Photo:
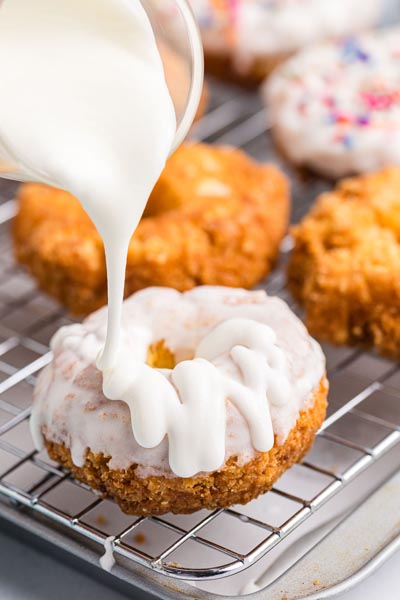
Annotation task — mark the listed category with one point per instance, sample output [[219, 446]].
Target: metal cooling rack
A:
[[363, 422]]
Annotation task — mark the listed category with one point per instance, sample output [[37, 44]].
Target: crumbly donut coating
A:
[[346, 260], [215, 217], [233, 484]]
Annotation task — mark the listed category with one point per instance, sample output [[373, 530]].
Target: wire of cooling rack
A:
[[362, 425]]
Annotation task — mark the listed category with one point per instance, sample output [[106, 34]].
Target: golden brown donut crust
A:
[[345, 267], [233, 484], [215, 217]]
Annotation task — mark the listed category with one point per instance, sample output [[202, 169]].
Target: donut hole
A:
[[159, 356]]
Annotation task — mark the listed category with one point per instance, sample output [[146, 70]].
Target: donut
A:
[[215, 217], [345, 262], [335, 108], [256, 397], [244, 40]]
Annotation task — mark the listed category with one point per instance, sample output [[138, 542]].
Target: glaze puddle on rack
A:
[[357, 449]]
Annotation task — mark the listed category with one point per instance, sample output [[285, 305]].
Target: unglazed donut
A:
[[223, 332], [345, 263], [245, 39], [336, 107], [215, 217]]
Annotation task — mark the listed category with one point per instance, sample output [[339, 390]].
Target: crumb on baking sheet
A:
[[101, 520], [139, 538]]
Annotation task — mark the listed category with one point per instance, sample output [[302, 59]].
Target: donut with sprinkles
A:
[[335, 108], [245, 39]]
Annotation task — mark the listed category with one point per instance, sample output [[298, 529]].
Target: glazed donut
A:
[[345, 262], [336, 108], [245, 39], [256, 397], [215, 217]]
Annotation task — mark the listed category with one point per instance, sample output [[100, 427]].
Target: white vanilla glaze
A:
[[271, 27], [107, 561], [245, 368], [336, 107]]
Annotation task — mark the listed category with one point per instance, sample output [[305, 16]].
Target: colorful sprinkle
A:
[[380, 100], [352, 51], [344, 108], [363, 120], [346, 141]]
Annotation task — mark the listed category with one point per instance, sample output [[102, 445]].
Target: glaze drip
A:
[[188, 404]]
